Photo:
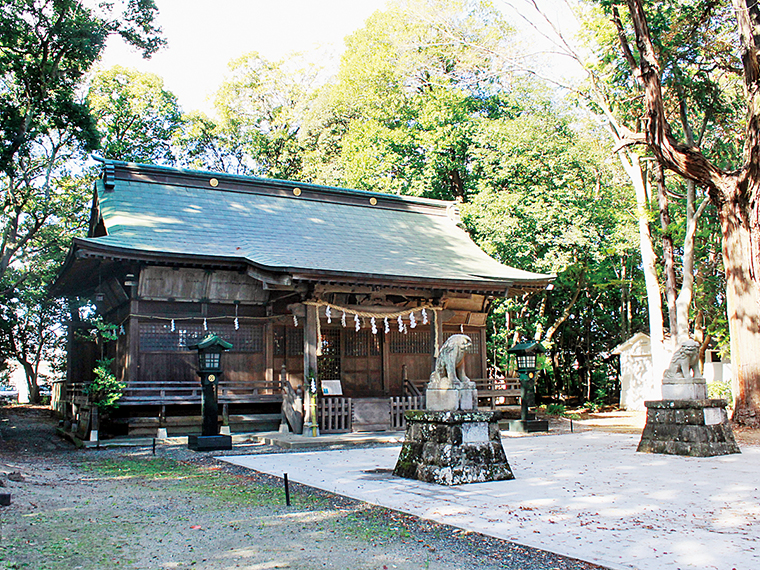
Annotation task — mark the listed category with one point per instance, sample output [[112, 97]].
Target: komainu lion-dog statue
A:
[[449, 366], [685, 361]]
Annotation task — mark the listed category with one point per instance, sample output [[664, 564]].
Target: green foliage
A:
[[554, 409], [105, 390], [46, 49], [137, 117], [720, 390], [592, 406], [261, 108]]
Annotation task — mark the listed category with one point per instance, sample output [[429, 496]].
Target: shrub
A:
[[555, 410], [720, 390], [105, 390]]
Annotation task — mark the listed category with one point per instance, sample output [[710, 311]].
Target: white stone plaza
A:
[[587, 495]]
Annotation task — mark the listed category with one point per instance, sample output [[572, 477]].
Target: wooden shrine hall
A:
[[342, 294]]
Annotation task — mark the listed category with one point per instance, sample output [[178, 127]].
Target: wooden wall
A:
[[163, 353]]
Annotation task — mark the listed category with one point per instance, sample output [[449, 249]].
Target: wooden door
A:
[[362, 363]]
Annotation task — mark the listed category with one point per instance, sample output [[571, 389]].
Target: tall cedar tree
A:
[[735, 193]]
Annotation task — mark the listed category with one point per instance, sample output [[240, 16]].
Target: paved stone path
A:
[[586, 495]]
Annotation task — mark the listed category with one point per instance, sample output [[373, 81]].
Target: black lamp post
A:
[[525, 354], [210, 350]]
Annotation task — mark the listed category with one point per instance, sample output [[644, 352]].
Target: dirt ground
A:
[[126, 508]]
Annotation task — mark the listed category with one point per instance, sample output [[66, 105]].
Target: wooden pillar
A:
[[134, 343], [269, 353], [483, 355], [386, 361], [310, 341]]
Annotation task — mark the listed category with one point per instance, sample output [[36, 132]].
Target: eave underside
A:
[[85, 266]]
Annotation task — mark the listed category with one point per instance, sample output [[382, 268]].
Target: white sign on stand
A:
[[332, 388]]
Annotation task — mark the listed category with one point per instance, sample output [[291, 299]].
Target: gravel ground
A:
[[126, 508]]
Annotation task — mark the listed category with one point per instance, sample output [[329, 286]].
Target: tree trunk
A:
[[683, 302], [668, 254], [31, 381], [736, 195], [743, 301], [632, 167]]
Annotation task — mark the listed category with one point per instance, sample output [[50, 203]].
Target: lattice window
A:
[[474, 349], [294, 342], [158, 337], [329, 361], [361, 343], [414, 342]]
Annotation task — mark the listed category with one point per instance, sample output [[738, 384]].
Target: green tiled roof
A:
[[323, 230]]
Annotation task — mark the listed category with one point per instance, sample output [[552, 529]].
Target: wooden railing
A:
[[498, 391], [399, 405], [249, 392], [334, 414], [491, 391], [178, 392], [410, 388]]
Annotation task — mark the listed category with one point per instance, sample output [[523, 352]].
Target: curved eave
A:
[[72, 282]]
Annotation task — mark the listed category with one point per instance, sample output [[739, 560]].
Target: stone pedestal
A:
[[451, 399], [528, 426], [697, 428], [679, 388], [452, 448], [209, 442]]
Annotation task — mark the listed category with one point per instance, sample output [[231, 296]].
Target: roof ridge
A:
[[109, 166]]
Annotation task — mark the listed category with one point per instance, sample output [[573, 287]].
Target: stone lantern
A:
[[210, 350], [526, 353]]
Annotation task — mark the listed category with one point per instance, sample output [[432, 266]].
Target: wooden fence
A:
[[334, 414], [399, 405]]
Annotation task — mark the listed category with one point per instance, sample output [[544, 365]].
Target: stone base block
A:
[[685, 389], [528, 426], [697, 428], [209, 442], [453, 399], [453, 448]]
